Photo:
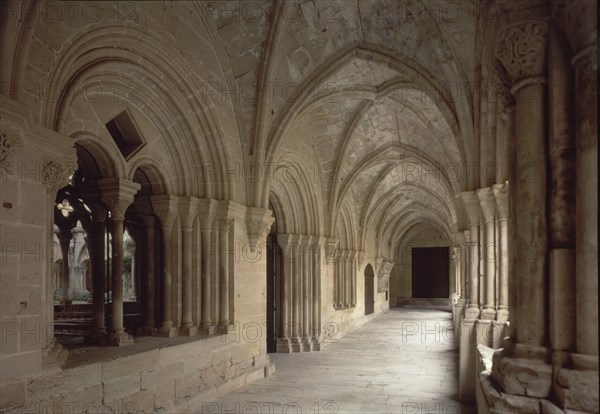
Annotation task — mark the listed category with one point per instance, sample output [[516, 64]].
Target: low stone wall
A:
[[175, 378]]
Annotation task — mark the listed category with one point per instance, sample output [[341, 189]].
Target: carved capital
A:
[[117, 195], [10, 140], [502, 86], [207, 211], [501, 195], [578, 19], [487, 203], [258, 224], [472, 208], [166, 208], [522, 49], [224, 224], [54, 175], [188, 210]]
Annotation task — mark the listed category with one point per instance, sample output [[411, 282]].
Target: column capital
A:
[[258, 223], [188, 210], [55, 175], [471, 203], [460, 237], [207, 211], [578, 19], [117, 195], [165, 207], [224, 224], [501, 196], [522, 50], [487, 203]]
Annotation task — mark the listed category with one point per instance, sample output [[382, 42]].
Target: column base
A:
[[306, 345], [502, 314], [166, 331], [523, 370], [472, 313], [119, 339], [207, 328], [488, 314], [316, 344], [188, 330], [225, 327], [296, 344], [283, 345]]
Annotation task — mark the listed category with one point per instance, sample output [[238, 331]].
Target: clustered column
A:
[[344, 290], [300, 293]]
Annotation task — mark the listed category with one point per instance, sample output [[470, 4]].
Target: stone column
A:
[[98, 272], [353, 279], [224, 273], [206, 215], [585, 63], [307, 294], [523, 54], [501, 197], [488, 207], [150, 261], [460, 263], [472, 208], [165, 207], [578, 386], [523, 369], [283, 343], [188, 208], [297, 270], [316, 293], [117, 195]]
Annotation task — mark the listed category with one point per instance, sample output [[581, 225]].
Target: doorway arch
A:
[[369, 290]]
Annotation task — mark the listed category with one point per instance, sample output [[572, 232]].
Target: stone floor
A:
[[404, 361]]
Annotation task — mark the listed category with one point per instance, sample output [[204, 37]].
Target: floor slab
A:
[[405, 361]]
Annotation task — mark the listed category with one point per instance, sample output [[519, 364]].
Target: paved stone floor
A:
[[401, 362]]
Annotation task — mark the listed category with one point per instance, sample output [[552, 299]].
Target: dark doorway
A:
[[274, 277], [369, 290], [430, 272]]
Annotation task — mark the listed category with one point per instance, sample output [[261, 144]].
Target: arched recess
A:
[[145, 75]]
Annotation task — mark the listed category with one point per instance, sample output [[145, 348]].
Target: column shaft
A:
[[186, 313], [224, 276], [206, 323], [531, 214], [150, 275]]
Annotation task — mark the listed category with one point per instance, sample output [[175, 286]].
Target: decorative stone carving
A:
[[522, 49], [224, 224], [188, 209], [9, 142], [207, 210], [165, 207], [54, 176], [117, 195], [486, 200], [502, 84], [472, 207], [258, 223]]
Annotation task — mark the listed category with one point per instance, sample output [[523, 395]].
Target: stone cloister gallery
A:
[[197, 192]]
